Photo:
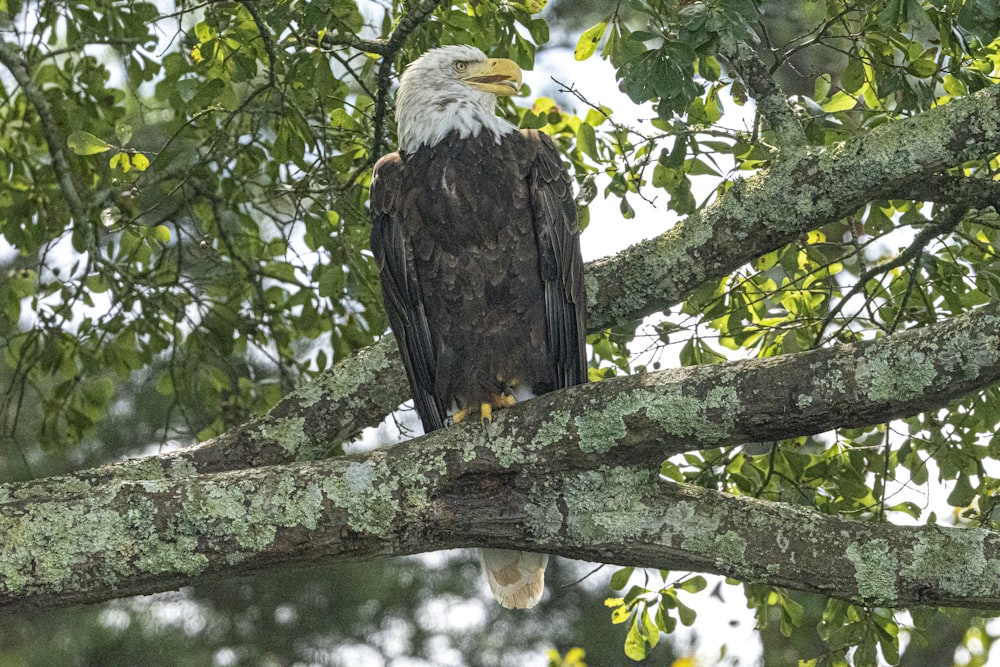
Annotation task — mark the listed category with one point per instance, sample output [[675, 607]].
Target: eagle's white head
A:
[[453, 88]]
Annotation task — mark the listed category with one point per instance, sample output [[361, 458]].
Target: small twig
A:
[[886, 457], [584, 577], [346, 64], [920, 241], [77, 47], [911, 283], [619, 132], [265, 37]]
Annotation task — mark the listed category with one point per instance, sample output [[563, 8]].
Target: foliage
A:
[[649, 613], [183, 230], [903, 58]]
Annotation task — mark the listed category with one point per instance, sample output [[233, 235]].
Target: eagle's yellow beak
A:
[[497, 75]]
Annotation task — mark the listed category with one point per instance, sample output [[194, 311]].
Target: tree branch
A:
[[18, 67], [266, 40], [772, 102], [407, 24], [134, 537], [641, 418], [801, 191]]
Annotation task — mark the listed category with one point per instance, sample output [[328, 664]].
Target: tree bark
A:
[[134, 537]]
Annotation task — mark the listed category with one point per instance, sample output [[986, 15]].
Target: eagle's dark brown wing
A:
[[400, 291], [558, 233]]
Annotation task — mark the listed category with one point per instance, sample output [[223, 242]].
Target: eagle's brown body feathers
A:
[[482, 275]]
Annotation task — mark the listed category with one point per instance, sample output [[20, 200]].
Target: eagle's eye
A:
[[460, 65]]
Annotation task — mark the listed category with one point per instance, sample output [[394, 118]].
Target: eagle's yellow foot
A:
[[497, 402]]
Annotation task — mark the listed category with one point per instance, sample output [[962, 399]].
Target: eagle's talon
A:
[[486, 415], [486, 408]]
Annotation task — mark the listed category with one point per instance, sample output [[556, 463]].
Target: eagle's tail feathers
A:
[[517, 578]]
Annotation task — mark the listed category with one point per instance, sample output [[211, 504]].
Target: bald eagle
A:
[[475, 233]]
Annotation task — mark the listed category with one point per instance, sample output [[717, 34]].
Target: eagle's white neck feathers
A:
[[433, 101]]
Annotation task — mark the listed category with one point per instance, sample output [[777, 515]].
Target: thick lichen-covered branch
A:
[[642, 419], [801, 191], [629, 518], [646, 417], [134, 537]]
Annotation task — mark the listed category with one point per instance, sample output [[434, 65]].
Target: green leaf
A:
[[634, 594], [124, 133], [666, 178], [620, 614], [923, 68], [822, 87], [664, 621], [626, 209], [121, 160], [594, 117], [963, 494], [709, 68], [161, 233], [694, 584], [649, 629], [853, 77], [586, 140], [791, 615], [909, 508], [203, 32], [635, 643], [867, 654], [842, 101], [589, 40], [533, 121], [620, 578], [697, 167], [84, 143], [686, 614], [140, 162]]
